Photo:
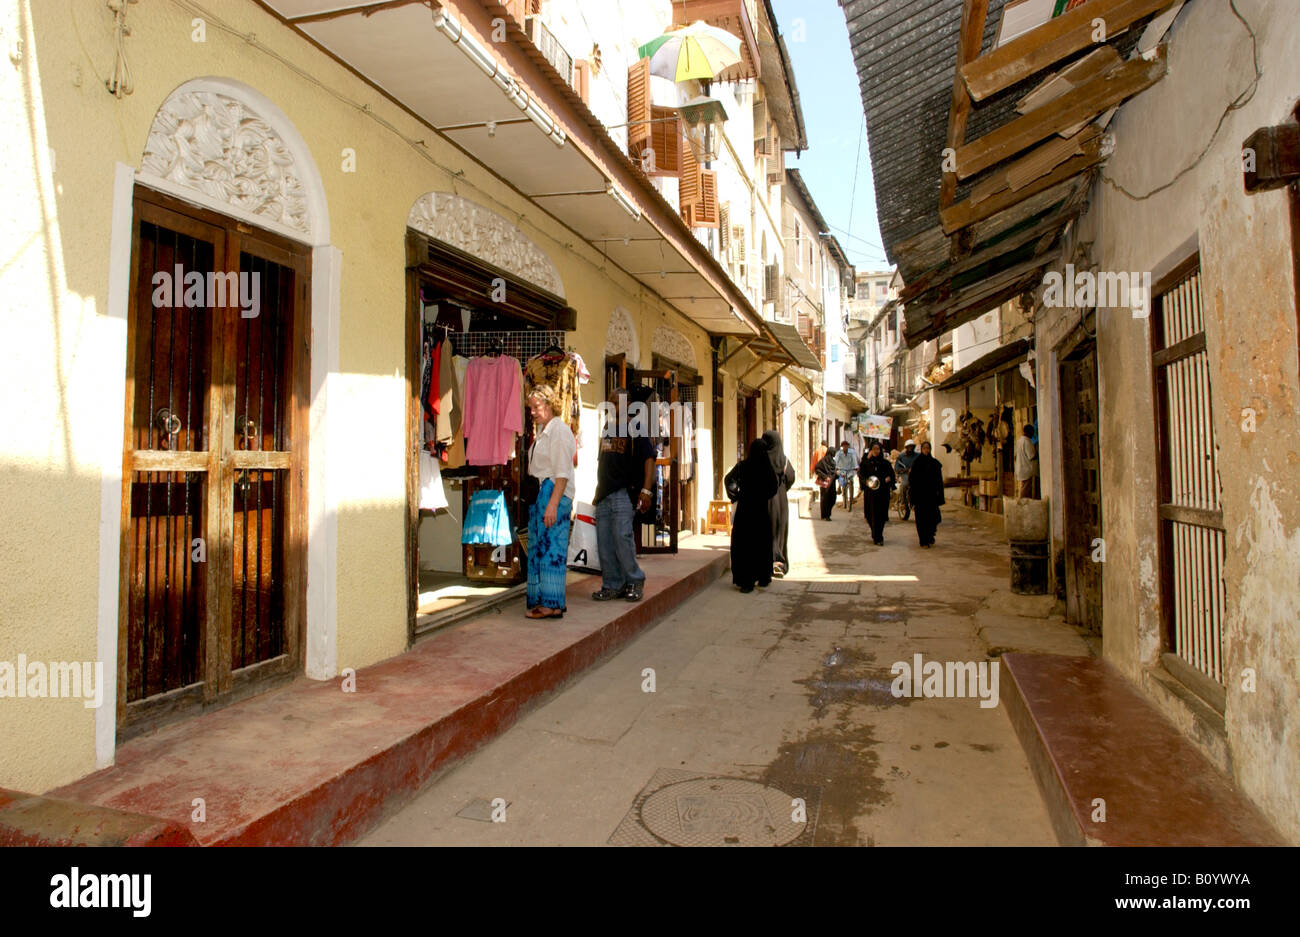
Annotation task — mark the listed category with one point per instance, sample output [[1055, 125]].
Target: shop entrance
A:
[[478, 339], [212, 593]]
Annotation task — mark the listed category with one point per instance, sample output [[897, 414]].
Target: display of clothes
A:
[[432, 495], [563, 371], [492, 409], [487, 521], [440, 397]]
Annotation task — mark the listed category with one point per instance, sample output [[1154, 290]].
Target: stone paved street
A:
[[788, 687]]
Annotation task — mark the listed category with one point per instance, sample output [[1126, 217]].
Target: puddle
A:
[[844, 767]]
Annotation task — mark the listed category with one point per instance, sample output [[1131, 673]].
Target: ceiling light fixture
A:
[[481, 57], [623, 201]]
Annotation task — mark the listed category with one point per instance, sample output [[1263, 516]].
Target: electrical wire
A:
[[1236, 104]]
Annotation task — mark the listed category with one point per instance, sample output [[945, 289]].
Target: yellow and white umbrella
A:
[[695, 51]]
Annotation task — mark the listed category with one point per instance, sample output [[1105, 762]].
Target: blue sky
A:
[[818, 42]]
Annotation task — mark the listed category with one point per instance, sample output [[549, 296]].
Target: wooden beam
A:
[[739, 348], [973, 14], [1053, 41], [935, 278], [1271, 157], [1036, 164], [757, 364], [968, 212], [1074, 107]]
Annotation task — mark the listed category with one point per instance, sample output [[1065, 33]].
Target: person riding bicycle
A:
[[902, 469], [846, 466]]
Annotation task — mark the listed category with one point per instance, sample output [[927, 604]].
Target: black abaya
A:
[[875, 503], [779, 508], [825, 472], [927, 494], [751, 525]]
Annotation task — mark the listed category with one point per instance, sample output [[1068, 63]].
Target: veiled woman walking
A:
[[751, 484], [875, 498], [927, 494], [824, 471], [780, 505]]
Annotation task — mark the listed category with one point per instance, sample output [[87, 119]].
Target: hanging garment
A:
[[584, 376], [487, 521], [562, 374], [493, 409], [448, 396], [432, 495], [455, 453]]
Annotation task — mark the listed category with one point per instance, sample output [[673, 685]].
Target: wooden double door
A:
[[1082, 483], [212, 597]]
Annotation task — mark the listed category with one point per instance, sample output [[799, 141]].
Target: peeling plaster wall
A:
[[1249, 301]]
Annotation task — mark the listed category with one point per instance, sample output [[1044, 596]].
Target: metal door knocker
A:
[[169, 423], [247, 428]]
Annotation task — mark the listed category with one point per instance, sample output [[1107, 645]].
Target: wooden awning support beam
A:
[[775, 374], [1075, 107], [739, 348], [969, 212], [1271, 157], [753, 367], [1040, 48]]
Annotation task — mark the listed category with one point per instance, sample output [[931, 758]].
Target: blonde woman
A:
[[550, 461]]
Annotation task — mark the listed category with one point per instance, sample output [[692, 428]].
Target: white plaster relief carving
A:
[[620, 337], [479, 231], [217, 146], [673, 344]]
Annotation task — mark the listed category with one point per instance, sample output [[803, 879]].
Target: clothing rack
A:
[[519, 344]]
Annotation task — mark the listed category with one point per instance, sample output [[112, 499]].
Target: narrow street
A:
[[788, 688]]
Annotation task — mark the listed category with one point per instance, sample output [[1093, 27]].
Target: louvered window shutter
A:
[[689, 189], [638, 107], [707, 213], [665, 132], [724, 231]]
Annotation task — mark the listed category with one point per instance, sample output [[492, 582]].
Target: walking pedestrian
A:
[[624, 475], [846, 463], [780, 506], [754, 484], [927, 494], [1026, 461], [818, 454], [824, 472], [550, 461], [903, 468], [877, 477]]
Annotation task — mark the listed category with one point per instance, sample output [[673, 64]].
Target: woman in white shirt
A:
[[550, 461]]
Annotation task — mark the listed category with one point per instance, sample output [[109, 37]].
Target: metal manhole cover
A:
[[681, 809], [835, 588]]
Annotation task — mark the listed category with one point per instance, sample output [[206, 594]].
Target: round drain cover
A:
[[721, 812]]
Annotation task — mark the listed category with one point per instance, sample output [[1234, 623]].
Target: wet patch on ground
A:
[[844, 766]]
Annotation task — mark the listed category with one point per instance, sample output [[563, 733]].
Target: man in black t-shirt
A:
[[624, 474]]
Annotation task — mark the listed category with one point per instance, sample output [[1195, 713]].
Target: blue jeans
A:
[[615, 543]]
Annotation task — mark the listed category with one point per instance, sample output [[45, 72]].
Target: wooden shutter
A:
[[689, 191], [665, 139], [776, 168], [706, 213], [738, 242], [582, 79], [770, 275], [760, 121], [724, 231], [638, 107]]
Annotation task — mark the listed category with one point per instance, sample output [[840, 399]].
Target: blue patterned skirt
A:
[[548, 550]]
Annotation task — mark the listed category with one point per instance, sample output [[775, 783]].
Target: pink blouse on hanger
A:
[[492, 410]]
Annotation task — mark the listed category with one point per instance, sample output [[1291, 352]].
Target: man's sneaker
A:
[[604, 595], [632, 591]]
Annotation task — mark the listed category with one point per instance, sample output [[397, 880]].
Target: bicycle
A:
[[846, 488], [900, 501]]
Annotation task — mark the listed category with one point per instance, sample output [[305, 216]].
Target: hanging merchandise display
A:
[[492, 409], [487, 520], [563, 371], [432, 495]]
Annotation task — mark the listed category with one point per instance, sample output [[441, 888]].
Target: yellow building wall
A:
[[61, 397]]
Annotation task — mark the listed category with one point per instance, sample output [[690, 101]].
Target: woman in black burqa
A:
[[875, 501], [926, 487], [825, 472], [751, 484], [780, 505]]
